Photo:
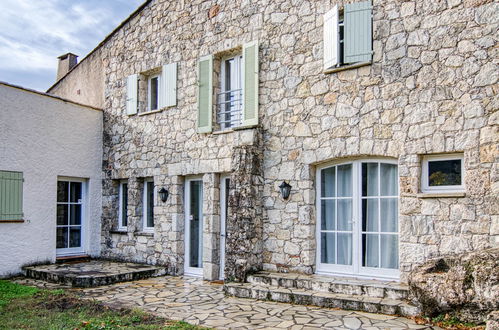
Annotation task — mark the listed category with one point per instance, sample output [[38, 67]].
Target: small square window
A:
[[443, 173]]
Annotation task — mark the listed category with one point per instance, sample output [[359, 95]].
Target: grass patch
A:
[[24, 307]]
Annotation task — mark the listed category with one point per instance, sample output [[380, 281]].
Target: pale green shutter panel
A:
[[205, 93], [168, 95], [11, 195], [358, 32], [331, 38], [131, 94], [250, 84]]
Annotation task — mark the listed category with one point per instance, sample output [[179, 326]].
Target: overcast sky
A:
[[33, 33]]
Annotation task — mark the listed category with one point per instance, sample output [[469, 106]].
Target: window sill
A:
[[225, 131], [119, 232], [441, 195], [12, 221], [346, 67], [145, 233], [145, 113]]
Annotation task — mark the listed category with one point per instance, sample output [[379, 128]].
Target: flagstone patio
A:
[[203, 303]]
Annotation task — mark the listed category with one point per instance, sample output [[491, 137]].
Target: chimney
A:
[[66, 63]]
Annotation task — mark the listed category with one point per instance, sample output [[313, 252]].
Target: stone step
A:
[[332, 284], [321, 299], [92, 273]]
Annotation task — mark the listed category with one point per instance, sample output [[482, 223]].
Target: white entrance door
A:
[[193, 227], [357, 228], [224, 198], [70, 217]]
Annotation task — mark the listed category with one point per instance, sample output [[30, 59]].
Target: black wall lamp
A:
[[163, 194], [285, 189]]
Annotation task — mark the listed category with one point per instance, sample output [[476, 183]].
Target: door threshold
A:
[[360, 277], [72, 258]]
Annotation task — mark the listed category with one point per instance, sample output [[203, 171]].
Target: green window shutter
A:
[[131, 94], [331, 38], [205, 94], [11, 195], [168, 95], [250, 84], [358, 32]]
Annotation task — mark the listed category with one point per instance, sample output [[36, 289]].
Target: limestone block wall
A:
[[431, 88]]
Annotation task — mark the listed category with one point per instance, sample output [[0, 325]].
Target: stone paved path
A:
[[199, 302]]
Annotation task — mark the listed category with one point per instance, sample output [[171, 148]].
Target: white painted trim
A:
[[84, 205], [223, 221], [356, 269], [192, 271], [120, 205], [145, 204], [425, 188]]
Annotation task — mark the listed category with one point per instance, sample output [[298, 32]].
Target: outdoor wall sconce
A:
[[163, 194], [285, 189]]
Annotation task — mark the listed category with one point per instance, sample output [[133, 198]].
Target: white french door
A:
[[357, 227], [193, 261], [70, 217], [224, 198]]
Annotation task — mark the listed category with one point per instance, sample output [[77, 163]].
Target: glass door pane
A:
[[69, 216], [196, 224], [336, 210]]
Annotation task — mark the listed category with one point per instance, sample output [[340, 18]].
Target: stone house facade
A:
[[362, 140]]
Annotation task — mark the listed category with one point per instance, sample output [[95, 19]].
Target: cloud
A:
[[34, 33]]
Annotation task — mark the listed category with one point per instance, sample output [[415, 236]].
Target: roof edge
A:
[[49, 95], [126, 20]]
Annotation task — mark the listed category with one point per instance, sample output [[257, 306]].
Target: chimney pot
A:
[[66, 63]]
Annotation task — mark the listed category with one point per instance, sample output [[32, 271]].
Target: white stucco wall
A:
[[46, 138]]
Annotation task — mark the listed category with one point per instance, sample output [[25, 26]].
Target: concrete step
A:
[[332, 284], [321, 299], [93, 273]]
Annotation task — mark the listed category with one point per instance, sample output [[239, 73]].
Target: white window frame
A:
[[426, 188], [145, 204], [356, 269], [223, 88], [149, 79], [120, 205]]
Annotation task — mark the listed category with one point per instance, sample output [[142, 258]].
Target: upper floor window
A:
[[443, 173], [230, 98], [348, 35], [152, 90], [236, 99]]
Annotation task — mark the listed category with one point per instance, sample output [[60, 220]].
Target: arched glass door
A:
[[357, 231]]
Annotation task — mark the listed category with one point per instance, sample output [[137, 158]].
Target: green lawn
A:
[[23, 307]]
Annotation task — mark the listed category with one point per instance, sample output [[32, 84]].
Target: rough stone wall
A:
[[431, 88]]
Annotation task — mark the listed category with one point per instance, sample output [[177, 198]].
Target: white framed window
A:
[[148, 204], [348, 35], [153, 90], [230, 98], [123, 205], [443, 173]]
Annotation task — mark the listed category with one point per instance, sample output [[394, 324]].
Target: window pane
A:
[[328, 251], [154, 93], [75, 192], [150, 204], [370, 250], [389, 213], [389, 184], [370, 214], [344, 249], [444, 173], [369, 179], [124, 204], [345, 180], [75, 214], [62, 238], [328, 182], [389, 251], [344, 214], [75, 237], [62, 215], [328, 214], [62, 191]]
